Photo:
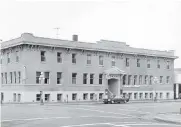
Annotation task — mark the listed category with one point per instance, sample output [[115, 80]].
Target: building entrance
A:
[[113, 86]]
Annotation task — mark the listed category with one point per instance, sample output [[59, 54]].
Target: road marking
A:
[[105, 112], [143, 124]]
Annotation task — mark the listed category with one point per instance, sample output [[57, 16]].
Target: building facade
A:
[[177, 84], [65, 70]]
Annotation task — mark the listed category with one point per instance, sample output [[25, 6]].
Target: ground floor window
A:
[[141, 95], [85, 96], [91, 96], [2, 96], [38, 97], [146, 95], [74, 96], [14, 97], [47, 97], [19, 97], [161, 95], [135, 95], [151, 95], [168, 95], [59, 97], [100, 96], [130, 95], [156, 95]]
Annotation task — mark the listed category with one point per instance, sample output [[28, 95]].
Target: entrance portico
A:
[[113, 80]]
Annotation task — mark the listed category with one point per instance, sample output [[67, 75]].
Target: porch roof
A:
[[114, 70]]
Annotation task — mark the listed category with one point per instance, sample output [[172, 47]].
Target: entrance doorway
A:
[[113, 86]]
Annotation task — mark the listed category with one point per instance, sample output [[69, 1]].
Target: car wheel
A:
[[112, 102]]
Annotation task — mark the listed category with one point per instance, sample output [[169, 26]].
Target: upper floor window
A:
[[168, 79], [129, 79], [158, 63], [43, 58], [138, 62], [6, 77], [113, 62], [124, 79], [127, 62], [168, 64], [74, 76], [2, 78], [151, 80], [59, 77], [85, 78], [140, 79], [91, 78], [1, 60], [100, 60], [148, 64], [19, 77], [8, 57], [74, 58], [14, 76], [146, 79], [11, 77], [38, 77], [88, 58], [161, 79], [47, 78], [135, 79], [100, 78], [17, 56], [59, 57]]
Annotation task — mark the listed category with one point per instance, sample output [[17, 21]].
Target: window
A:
[[141, 95], [151, 95], [14, 76], [127, 62], [146, 79], [146, 95], [6, 78], [101, 60], [161, 95], [138, 62], [168, 64], [158, 63], [161, 79], [1, 61], [168, 78], [59, 97], [37, 77], [38, 97], [129, 80], [14, 97], [85, 78], [85, 96], [135, 79], [59, 57], [17, 56], [2, 96], [2, 78], [47, 97], [113, 62], [74, 96], [100, 78], [168, 95], [151, 80], [74, 75], [88, 58], [8, 58], [130, 95], [91, 96], [19, 77], [140, 79], [11, 77], [156, 95], [43, 58], [91, 78], [100, 96], [47, 79], [59, 77], [148, 64], [124, 80], [135, 95], [74, 58]]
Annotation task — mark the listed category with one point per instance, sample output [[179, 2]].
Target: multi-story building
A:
[[177, 84], [66, 70]]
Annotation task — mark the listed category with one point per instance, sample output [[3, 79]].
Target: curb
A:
[[167, 121]]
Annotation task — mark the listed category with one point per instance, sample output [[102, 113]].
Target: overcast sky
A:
[[150, 24]]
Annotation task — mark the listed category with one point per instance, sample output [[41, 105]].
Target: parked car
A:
[[116, 99]]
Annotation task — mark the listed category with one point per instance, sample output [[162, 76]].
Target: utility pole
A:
[[57, 31]]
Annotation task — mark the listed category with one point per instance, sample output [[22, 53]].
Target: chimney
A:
[[75, 37]]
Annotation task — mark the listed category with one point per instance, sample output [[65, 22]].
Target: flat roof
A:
[[102, 45]]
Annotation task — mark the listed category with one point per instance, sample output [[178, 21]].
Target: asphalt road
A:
[[86, 115]]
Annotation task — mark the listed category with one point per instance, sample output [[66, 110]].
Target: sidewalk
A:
[[169, 118]]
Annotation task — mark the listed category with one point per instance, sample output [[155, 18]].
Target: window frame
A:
[[89, 57], [43, 56], [74, 58], [59, 57], [74, 78], [91, 79]]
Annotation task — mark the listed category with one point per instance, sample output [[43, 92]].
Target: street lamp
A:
[[155, 80], [41, 79]]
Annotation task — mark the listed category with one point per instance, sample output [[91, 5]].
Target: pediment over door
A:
[[114, 72]]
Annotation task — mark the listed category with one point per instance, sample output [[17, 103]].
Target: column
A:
[[121, 84]]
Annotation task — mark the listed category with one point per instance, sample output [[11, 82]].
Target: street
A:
[[87, 115]]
